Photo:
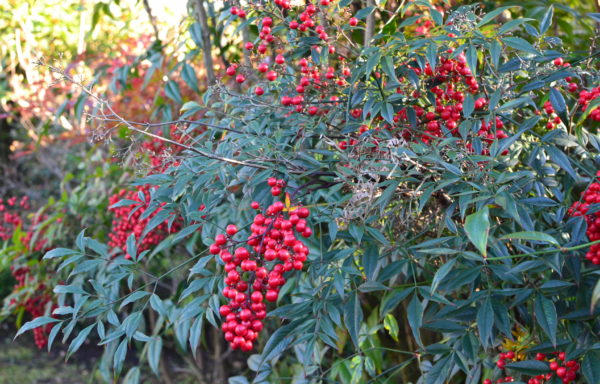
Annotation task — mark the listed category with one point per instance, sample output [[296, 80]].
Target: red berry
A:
[[271, 295], [353, 22], [231, 229], [231, 70]]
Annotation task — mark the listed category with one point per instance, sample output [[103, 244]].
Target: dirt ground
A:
[[21, 362]]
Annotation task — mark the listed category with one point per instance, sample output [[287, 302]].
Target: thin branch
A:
[[152, 19], [103, 103]]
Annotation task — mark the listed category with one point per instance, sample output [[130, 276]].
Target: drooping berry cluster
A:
[[580, 208], [255, 267], [128, 219], [566, 371]]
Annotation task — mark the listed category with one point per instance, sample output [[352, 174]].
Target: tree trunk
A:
[[370, 24], [206, 43]]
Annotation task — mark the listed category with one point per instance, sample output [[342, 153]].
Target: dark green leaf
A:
[[529, 367], [485, 321], [545, 314], [415, 317], [353, 317]]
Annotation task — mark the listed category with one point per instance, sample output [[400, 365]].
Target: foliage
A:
[[447, 157]]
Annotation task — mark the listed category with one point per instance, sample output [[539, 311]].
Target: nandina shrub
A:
[[448, 222]]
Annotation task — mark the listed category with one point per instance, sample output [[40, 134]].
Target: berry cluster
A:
[[453, 80], [128, 219], [586, 97], [566, 371], [255, 267], [11, 211], [580, 208], [35, 305], [270, 47]]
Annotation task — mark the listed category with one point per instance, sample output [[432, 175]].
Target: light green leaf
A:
[[477, 227]]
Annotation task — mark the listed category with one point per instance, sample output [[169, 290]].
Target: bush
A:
[[371, 194]]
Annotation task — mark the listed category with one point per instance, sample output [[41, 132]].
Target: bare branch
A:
[[103, 103]]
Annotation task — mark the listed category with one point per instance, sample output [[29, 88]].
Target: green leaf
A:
[[135, 296], [471, 56], [372, 62], [35, 323], [511, 25], [353, 317], [154, 351], [370, 261], [237, 380], [78, 341], [190, 106], [189, 76], [512, 104], [278, 341], [392, 300], [431, 54], [131, 246], [485, 321], [560, 159], [60, 252], [595, 296], [387, 112], [437, 16], [133, 376], [529, 367], [490, 16], [119, 357], [477, 227], [547, 20], [172, 91], [391, 325], [387, 64], [532, 235], [196, 334], [440, 274], [545, 314], [520, 44], [560, 106], [495, 51], [158, 219], [468, 105], [415, 317], [363, 13], [590, 367]]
